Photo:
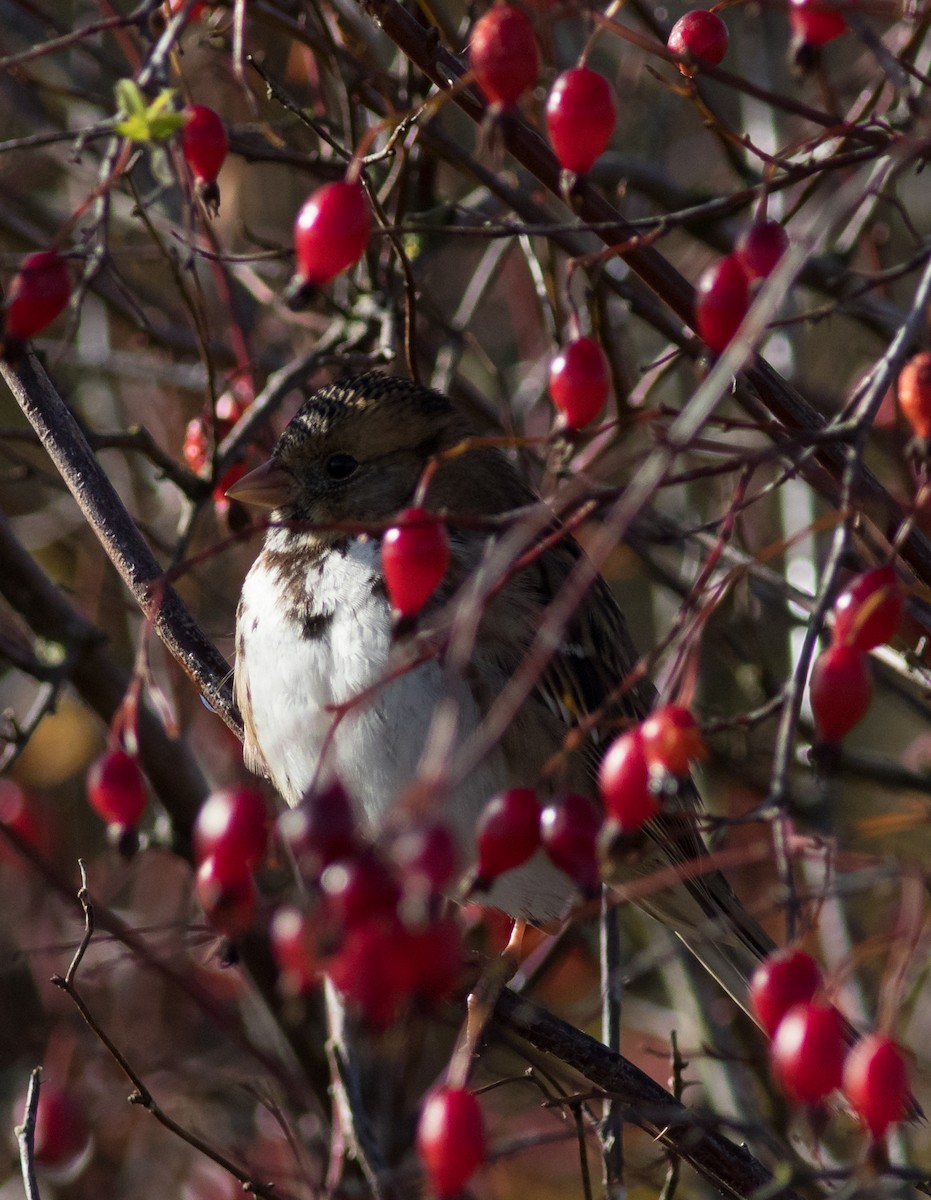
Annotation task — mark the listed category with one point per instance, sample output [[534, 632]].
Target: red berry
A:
[[360, 888], [701, 35], [426, 858], [876, 1083], [319, 830], [868, 610], [331, 231], [672, 739], [569, 832], [370, 971], [782, 980], [840, 690], [815, 22], [507, 833], [580, 379], [204, 142], [503, 54], [434, 958], [228, 900], [414, 556], [760, 247], [232, 827], [721, 303], [808, 1051], [296, 938], [40, 290], [450, 1139], [62, 1139], [116, 788], [915, 393], [18, 812], [175, 6], [580, 117], [624, 782]]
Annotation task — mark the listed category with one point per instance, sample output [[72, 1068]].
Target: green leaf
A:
[[145, 123]]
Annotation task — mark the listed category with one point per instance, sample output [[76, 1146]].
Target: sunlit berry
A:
[[914, 390], [840, 691], [331, 231], [807, 1052], [760, 247], [868, 611], [116, 788], [40, 290], [507, 833], [672, 739], [414, 556], [579, 381], [503, 54], [580, 117], [721, 303], [876, 1083], [451, 1139], [701, 35], [624, 782], [782, 980]]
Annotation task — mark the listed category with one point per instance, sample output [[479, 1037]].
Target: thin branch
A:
[[25, 1137]]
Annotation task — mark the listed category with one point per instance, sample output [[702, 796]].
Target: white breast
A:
[[293, 680]]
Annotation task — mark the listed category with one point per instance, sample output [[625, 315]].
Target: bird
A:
[[330, 686]]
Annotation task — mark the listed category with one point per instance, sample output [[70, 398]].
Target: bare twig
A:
[[25, 1137]]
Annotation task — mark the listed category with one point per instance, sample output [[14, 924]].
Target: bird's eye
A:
[[340, 466]]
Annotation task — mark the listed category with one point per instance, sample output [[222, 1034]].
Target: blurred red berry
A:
[[331, 231], [451, 1139], [295, 938], [569, 830], [808, 1051], [507, 833], [228, 900], [62, 1138], [914, 388], [360, 888], [503, 54], [721, 303], [624, 782], [840, 691], [672, 739], [116, 788], [370, 970], [868, 611], [579, 381], [876, 1083], [816, 22], [760, 247], [319, 830], [434, 957], [426, 858], [782, 980], [580, 117], [414, 556], [701, 35], [19, 813], [40, 290], [232, 827]]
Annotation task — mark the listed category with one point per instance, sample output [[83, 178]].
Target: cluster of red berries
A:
[[374, 923], [810, 1052], [724, 291], [866, 615], [230, 841], [514, 825], [196, 447]]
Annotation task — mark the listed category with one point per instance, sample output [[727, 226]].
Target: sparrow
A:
[[329, 685]]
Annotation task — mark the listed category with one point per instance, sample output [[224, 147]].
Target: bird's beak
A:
[[268, 486]]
